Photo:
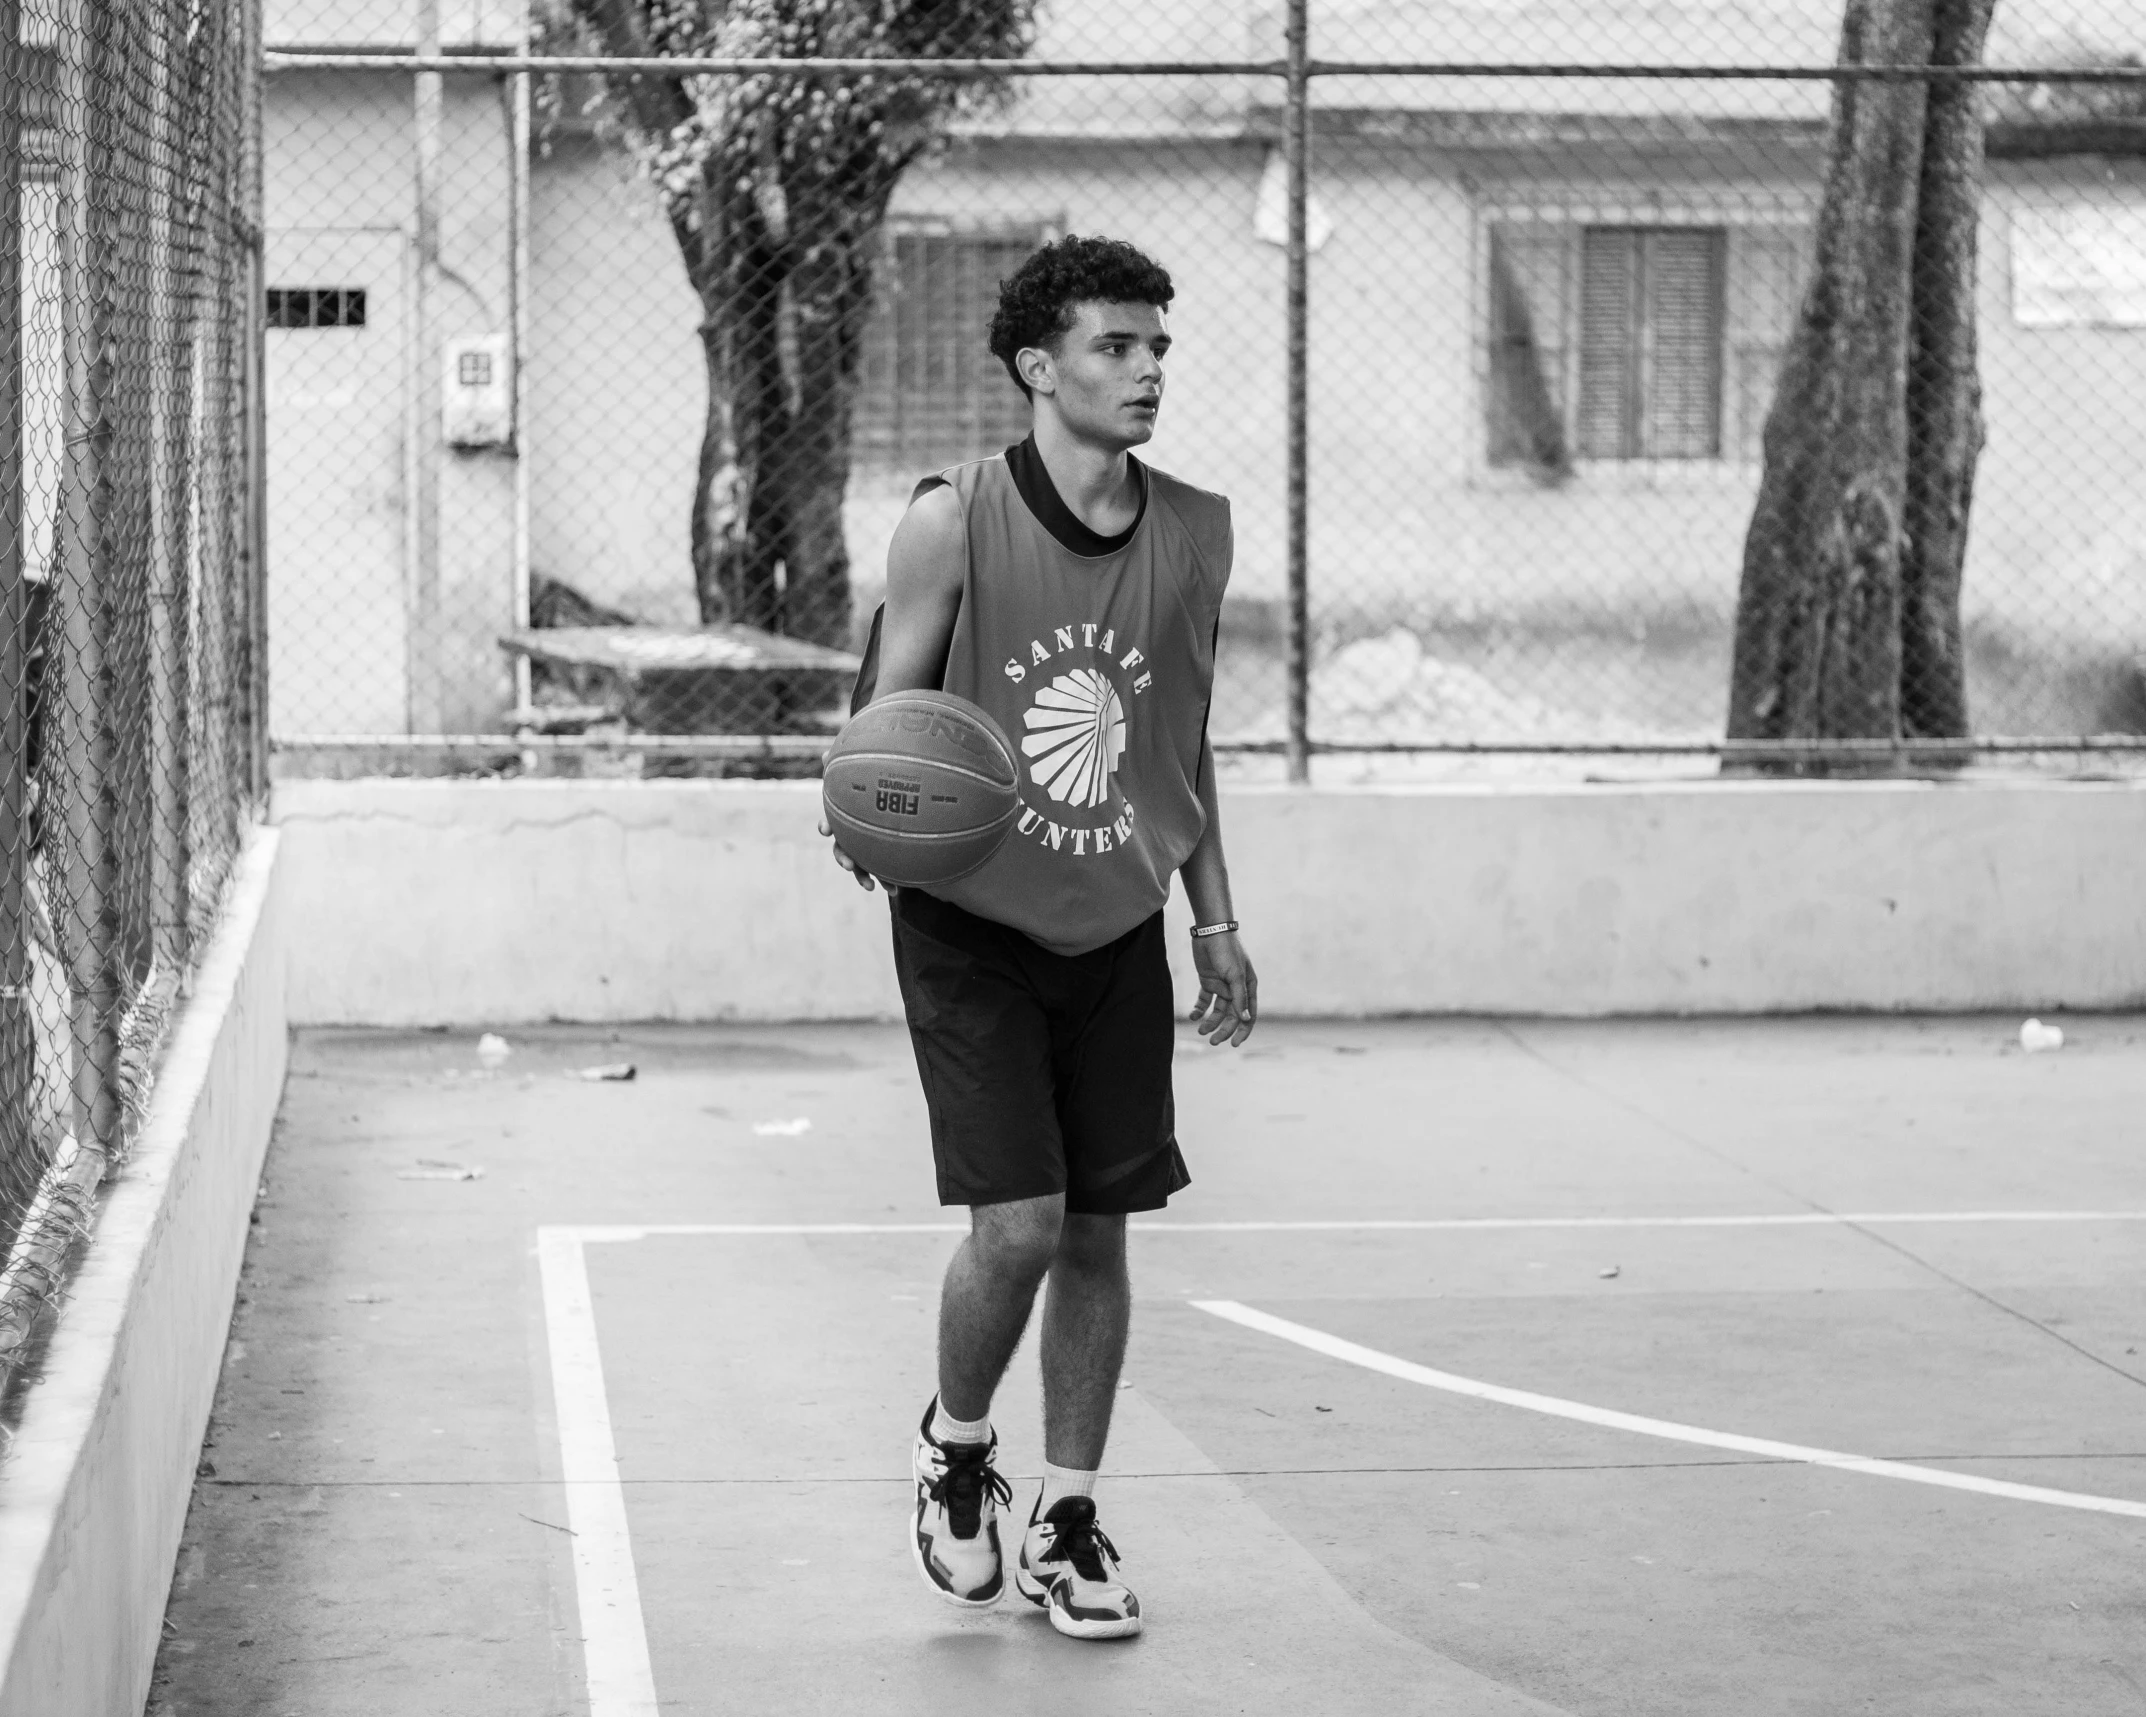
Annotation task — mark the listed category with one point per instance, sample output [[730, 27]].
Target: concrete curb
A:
[[459, 902], [94, 1492]]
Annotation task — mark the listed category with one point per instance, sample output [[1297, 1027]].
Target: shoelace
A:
[[961, 1487], [1083, 1543]]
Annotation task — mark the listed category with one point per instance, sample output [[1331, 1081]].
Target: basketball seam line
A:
[[895, 757], [924, 834]]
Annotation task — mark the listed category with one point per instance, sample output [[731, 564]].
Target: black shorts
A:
[[1043, 1072]]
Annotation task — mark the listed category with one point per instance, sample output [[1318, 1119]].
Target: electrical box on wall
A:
[[476, 400]]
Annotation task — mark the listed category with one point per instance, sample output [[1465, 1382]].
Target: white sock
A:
[[948, 1429], [1063, 1481]]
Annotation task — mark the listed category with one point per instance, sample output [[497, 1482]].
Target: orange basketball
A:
[[920, 788]]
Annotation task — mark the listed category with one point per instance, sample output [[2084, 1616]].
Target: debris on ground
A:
[[783, 1129], [609, 1073], [2034, 1037], [492, 1049], [429, 1169], [1609, 1272]]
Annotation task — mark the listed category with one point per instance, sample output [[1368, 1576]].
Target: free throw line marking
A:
[[614, 1638], [1334, 1347], [1397, 1225]]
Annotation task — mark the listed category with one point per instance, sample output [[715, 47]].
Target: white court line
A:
[[1372, 1360], [614, 1633], [614, 1638], [1397, 1225]]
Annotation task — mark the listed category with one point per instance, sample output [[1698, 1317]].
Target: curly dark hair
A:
[[1036, 305]]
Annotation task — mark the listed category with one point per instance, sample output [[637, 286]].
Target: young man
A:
[[1074, 593]]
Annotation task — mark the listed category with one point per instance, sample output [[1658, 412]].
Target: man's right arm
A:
[[925, 564], [924, 571]]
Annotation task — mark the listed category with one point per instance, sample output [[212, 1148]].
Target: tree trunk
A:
[[722, 487], [783, 333], [1860, 525], [1944, 388]]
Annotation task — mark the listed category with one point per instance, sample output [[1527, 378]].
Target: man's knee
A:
[[1093, 1245], [1021, 1237]]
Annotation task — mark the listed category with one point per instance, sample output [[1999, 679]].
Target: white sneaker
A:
[[954, 1535], [1069, 1568]]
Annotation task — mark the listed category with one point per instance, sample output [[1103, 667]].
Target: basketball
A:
[[920, 788]]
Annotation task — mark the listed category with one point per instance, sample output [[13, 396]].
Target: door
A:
[[338, 616]]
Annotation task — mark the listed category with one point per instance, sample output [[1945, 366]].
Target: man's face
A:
[[1106, 376]]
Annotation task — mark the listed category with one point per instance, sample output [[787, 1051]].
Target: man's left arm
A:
[[1229, 988]]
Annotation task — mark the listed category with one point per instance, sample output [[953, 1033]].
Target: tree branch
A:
[[659, 105]]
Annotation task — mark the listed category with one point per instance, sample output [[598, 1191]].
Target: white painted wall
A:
[[339, 165], [1409, 524], [101, 1469], [437, 902]]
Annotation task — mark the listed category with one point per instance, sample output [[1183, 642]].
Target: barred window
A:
[[931, 393], [1636, 342], [316, 306]]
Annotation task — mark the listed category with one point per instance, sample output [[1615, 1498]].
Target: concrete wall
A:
[[617, 393], [97, 1479], [617, 389], [1409, 522], [339, 160], [2059, 537], [1409, 519], [471, 903]]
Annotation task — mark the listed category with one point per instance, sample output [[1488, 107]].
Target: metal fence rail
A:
[[1480, 333], [131, 753]]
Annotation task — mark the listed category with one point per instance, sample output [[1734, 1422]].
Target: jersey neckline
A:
[[1032, 478]]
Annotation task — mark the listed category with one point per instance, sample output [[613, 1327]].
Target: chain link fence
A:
[[131, 756], [598, 386]]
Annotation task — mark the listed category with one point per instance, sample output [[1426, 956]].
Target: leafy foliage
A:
[[846, 136]]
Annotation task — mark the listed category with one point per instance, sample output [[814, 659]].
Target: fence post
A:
[[517, 380], [86, 910], [19, 1149], [428, 100], [254, 451], [167, 472], [1296, 148]]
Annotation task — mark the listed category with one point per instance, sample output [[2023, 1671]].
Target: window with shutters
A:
[[1650, 343], [1629, 343], [930, 393]]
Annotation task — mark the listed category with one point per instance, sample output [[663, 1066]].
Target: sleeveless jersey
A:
[[1100, 669]]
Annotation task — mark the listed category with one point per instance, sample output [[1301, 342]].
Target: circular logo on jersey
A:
[[1076, 734]]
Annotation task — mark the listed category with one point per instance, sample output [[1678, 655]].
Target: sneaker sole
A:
[[916, 1555], [1122, 1629]]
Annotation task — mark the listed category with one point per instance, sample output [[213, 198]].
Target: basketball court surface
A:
[[1662, 1368]]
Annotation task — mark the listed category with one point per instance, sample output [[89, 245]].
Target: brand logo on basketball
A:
[[899, 798], [933, 722]]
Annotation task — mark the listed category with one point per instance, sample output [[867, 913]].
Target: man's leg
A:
[[1067, 1565], [1086, 1315], [990, 1286]]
